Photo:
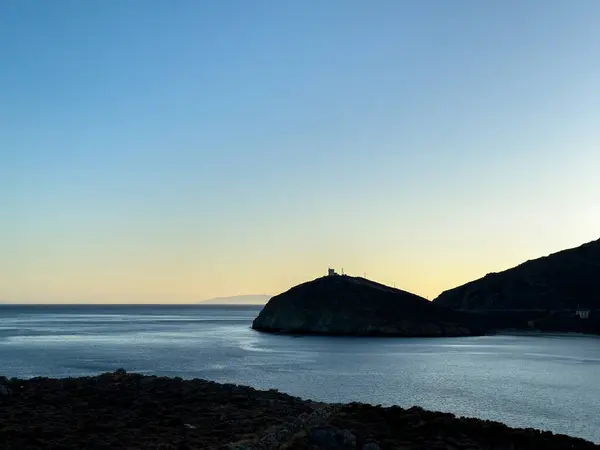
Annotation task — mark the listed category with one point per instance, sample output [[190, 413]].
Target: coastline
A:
[[540, 333], [121, 410]]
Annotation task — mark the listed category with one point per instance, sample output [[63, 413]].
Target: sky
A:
[[173, 151]]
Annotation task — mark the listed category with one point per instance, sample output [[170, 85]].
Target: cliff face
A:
[[559, 281], [343, 305]]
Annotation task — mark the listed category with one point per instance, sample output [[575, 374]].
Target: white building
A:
[[583, 313]]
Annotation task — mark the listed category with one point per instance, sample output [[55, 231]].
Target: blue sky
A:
[[180, 150]]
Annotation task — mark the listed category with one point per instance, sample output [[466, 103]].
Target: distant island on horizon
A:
[[248, 299]]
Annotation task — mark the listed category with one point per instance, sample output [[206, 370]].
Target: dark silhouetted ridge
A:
[[562, 280]]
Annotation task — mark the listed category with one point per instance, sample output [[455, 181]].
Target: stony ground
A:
[[125, 411]]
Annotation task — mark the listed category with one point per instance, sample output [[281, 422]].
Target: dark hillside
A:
[[344, 305], [561, 281]]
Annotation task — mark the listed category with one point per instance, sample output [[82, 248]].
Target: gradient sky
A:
[[171, 151]]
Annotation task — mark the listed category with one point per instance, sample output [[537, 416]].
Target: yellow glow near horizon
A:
[[419, 271]]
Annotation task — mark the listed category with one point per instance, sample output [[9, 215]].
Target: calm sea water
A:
[[550, 382]]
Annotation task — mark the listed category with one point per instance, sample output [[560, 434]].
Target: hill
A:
[[344, 305], [560, 281]]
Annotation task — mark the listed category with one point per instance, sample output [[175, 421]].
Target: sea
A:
[[545, 381]]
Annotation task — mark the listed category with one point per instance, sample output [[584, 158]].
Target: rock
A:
[[4, 391], [344, 305], [145, 381], [97, 444], [330, 438], [370, 446], [346, 439], [324, 437]]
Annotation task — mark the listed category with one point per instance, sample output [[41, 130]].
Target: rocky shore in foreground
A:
[[132, 411]]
